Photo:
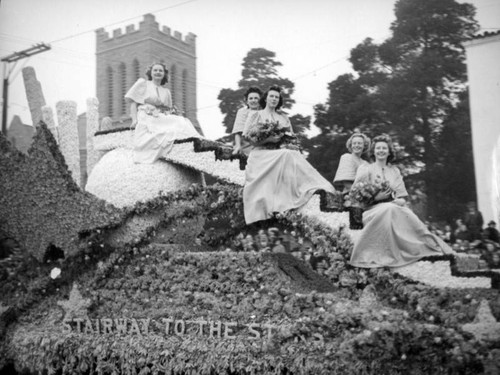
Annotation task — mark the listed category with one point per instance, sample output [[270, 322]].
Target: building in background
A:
[[120, 61], [483, 68], [20, 135], [124, 57]]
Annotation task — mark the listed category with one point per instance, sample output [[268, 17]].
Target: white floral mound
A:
[[225, 170], [438, 274], [331, 219], [118, 180]]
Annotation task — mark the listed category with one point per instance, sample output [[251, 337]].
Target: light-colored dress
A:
[[392, 235], [348, 165], [157, 128], [277, 180], [239, 126]]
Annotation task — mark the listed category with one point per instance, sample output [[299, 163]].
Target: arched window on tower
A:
[[123, 89], [136, 69], [109, 87], [185, 92], [173, 84]]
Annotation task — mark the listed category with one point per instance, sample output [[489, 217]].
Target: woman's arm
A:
[[237, 143], [272, 139], [238, 127], [168, 99], [133, 114], [399, 192]]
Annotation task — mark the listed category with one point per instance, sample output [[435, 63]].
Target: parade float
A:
[[174, 282]]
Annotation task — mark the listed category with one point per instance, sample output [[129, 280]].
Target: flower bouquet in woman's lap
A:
[[278, 177], [273, 135], [366, 192], [393, 236]]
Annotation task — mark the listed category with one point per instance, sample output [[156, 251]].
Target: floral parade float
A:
[[175, 283]]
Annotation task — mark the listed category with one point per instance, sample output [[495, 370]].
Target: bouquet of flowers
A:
[[263, 130], [365, 191]]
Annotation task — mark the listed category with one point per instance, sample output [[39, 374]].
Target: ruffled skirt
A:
[[155, 135]]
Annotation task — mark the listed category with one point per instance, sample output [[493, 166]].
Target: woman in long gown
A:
[[277, 176], [357, 145], [156, 128], [393, 235], [252, 98]]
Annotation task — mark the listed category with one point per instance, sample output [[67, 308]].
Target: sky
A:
[[311, 38]]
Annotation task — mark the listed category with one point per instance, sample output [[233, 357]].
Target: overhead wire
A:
[[198, 81], [123, 20]]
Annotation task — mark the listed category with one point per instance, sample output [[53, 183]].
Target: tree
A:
[[454, 166], [407, 86], [259, 69]]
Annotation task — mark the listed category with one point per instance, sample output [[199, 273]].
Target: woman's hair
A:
[[366, 140], [150, 68], [263, 98], [252, 89], [386, 139]]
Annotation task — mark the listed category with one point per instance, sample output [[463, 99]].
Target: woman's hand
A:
[[399, 201], [236, 149], [273, 139], [382, 195]]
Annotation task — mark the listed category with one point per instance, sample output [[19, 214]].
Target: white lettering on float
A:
[[169, 327]]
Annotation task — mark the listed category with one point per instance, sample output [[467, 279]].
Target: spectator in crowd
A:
[[495, 260], [491, 233], [473, 220], [461, 232], [448, 235]]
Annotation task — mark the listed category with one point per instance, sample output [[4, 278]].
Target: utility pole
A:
[[14, 57]]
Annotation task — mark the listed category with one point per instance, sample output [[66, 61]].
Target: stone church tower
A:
[[123, 58]]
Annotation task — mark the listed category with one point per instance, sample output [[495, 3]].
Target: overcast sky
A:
[[311, 38]]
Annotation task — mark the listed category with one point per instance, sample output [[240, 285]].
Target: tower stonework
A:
[[124, 57]]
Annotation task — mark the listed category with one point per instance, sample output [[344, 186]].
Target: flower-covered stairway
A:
[[149, 299], [216, 159]]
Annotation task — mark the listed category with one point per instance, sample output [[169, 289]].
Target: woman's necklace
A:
[[381, 169], [273, 119], [157, 87]]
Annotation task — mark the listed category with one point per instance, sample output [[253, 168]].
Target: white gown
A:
[[157, 128]]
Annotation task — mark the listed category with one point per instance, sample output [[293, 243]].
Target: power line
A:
[[13, 58], [320, 68], [124, 20]]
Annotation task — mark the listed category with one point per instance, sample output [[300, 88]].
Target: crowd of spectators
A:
[[469, 235], [466, 235]]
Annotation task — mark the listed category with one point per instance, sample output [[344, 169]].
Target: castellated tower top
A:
[[148, 29], [123, 57]]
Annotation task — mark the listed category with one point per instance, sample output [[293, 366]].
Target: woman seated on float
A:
[[393, 235], [156, 127], [252, 99], [358, 146], [277, 176]]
